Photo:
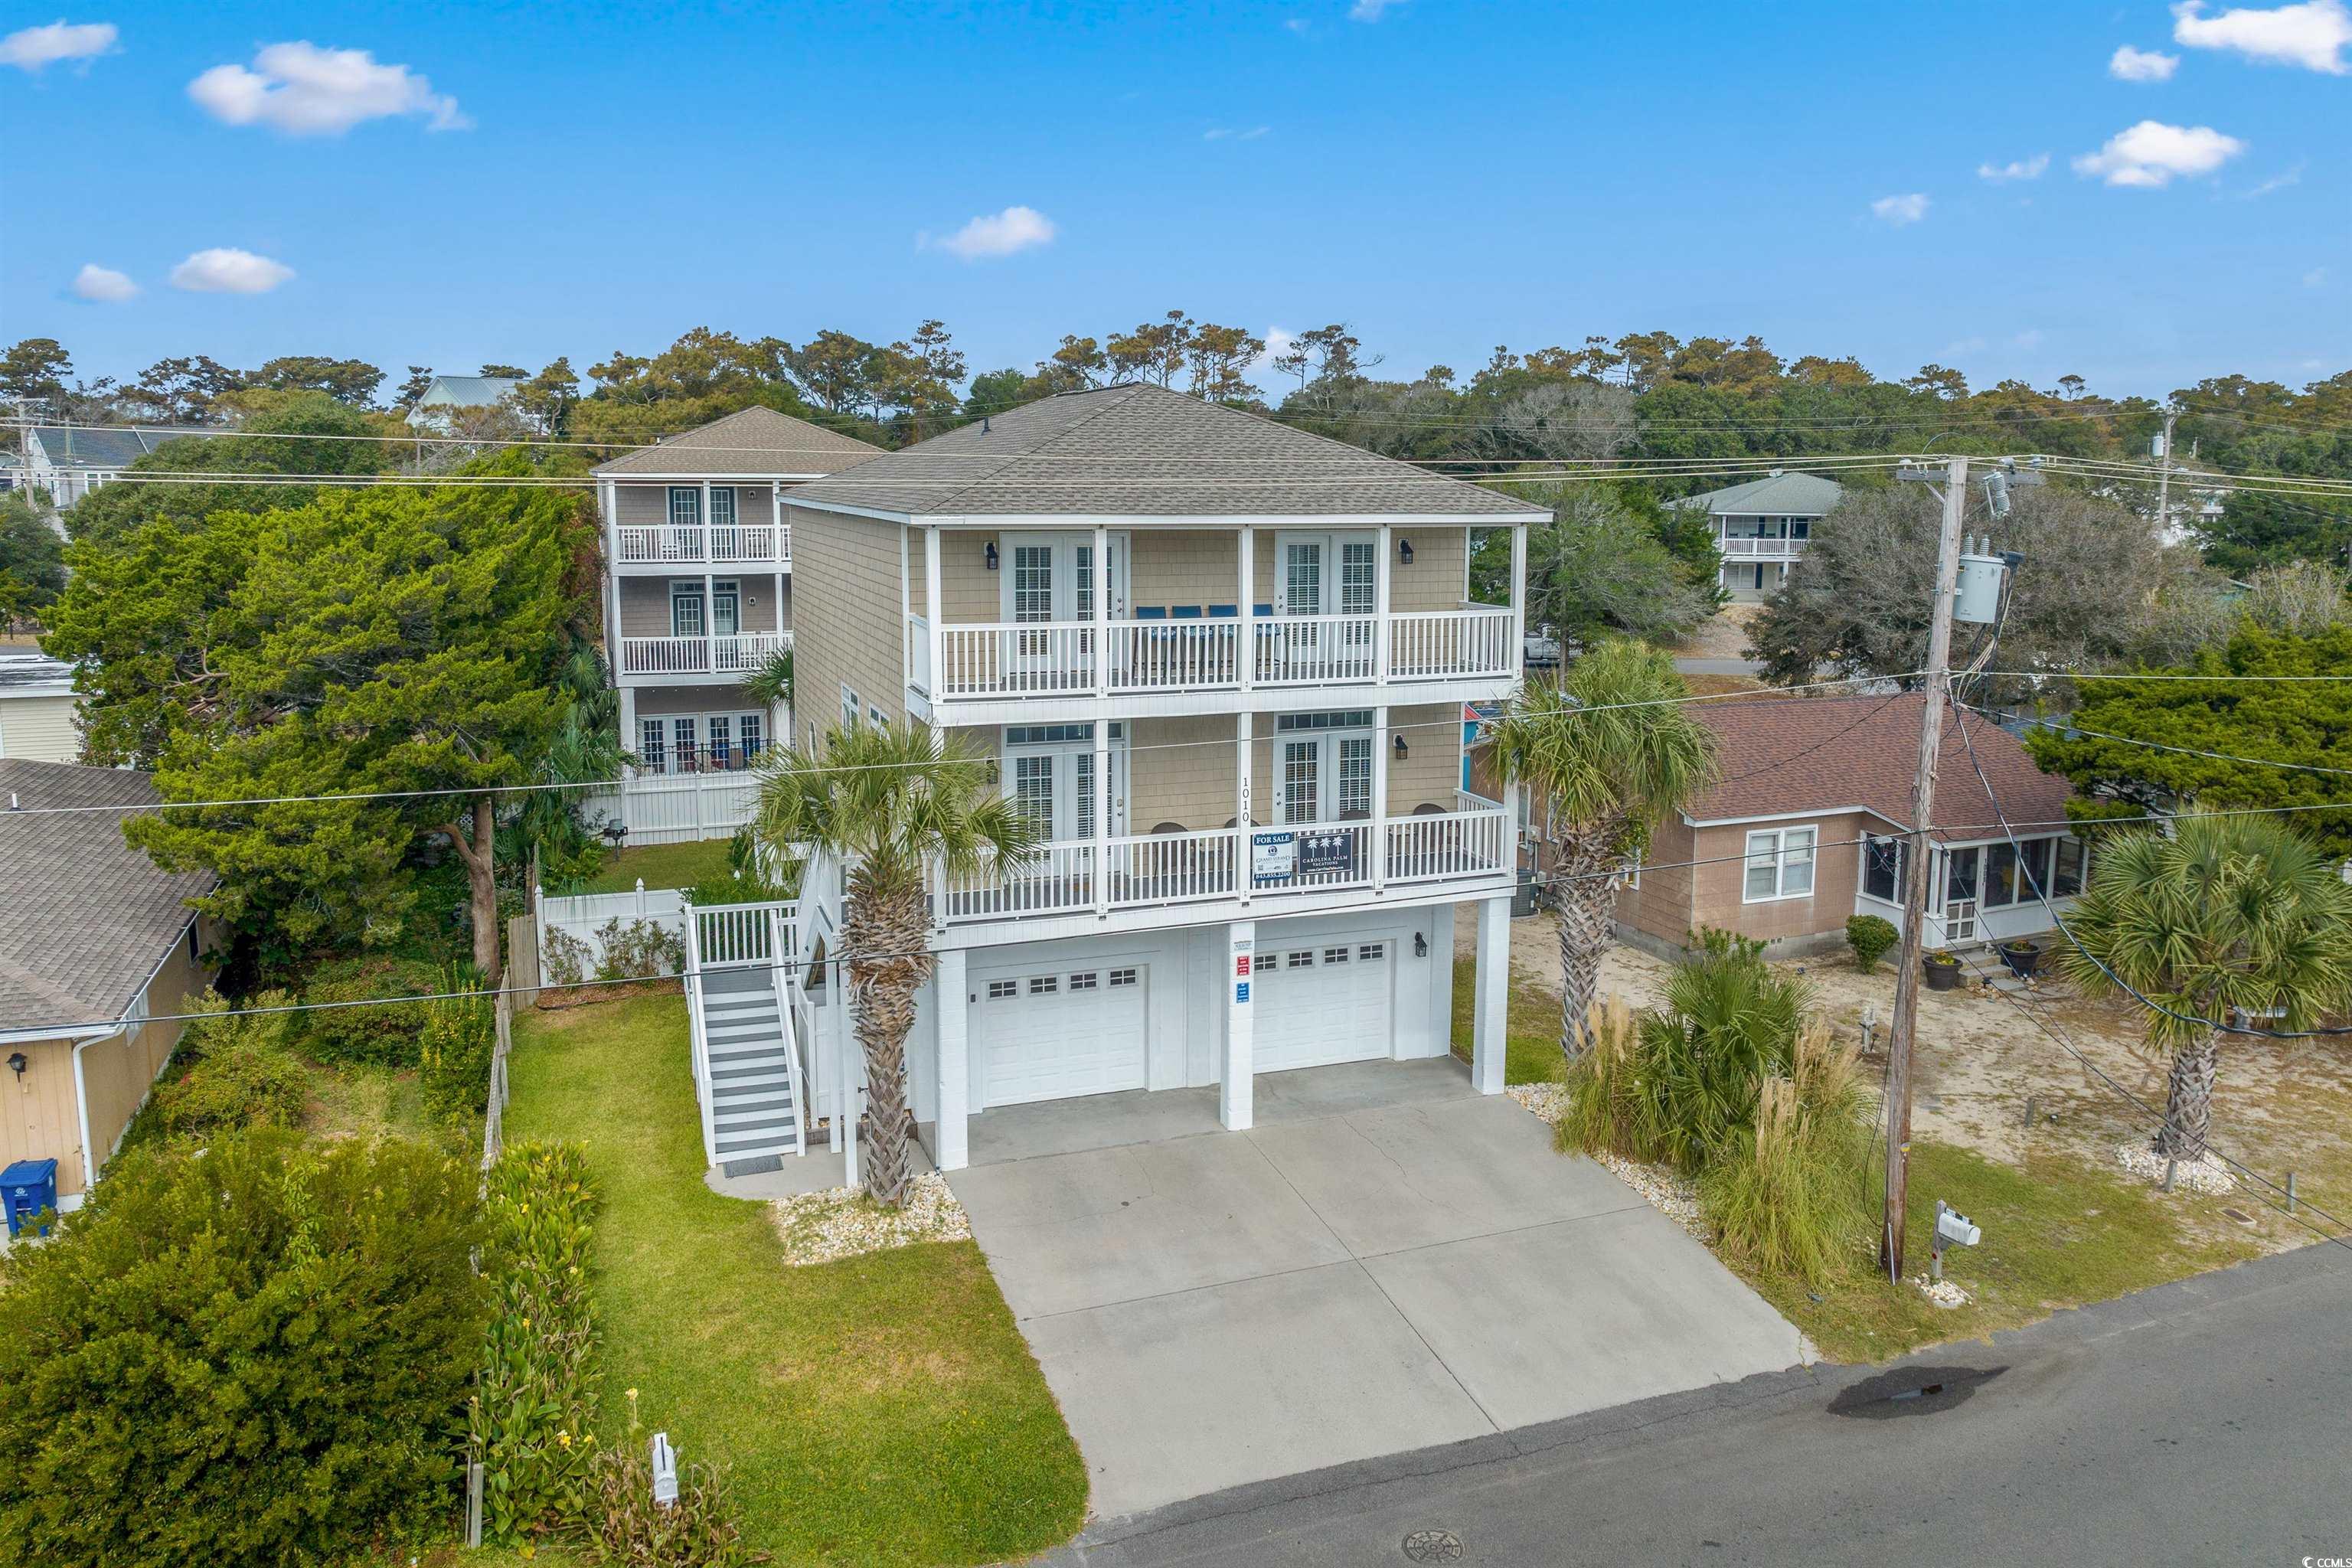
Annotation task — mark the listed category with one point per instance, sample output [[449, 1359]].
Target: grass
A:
[[1531, 1033], [2057, 1234], [881, 1409], [660, 865]]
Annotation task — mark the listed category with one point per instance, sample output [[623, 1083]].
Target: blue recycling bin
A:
[[27, 1188]]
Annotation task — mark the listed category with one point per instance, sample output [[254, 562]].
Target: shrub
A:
[[1729, 1022], [1870, 936], [454, 1053], [532, 1424], [238, 1072], [640, 950], [256, 1354], [1790, 1194], [384, 1036], [563, 958], [624, 1525]]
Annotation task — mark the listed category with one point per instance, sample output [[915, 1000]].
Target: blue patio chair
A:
[[1185, 612], [1224, 611], [1262, 612], [1150, 612]]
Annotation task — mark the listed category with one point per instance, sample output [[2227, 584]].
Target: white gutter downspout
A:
[[81, 1090]]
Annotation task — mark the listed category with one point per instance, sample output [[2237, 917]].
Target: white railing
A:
[[660, 544], [1157, 870], [1043, 658], [699, 1044], [738, 655], [1174, 656], [1429, 645], [1314, 650], [744, 936], [1751, 544], [918, 653]]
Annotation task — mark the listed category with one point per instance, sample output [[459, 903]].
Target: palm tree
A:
[[2221, 914], [889, 803], [1608, 751]]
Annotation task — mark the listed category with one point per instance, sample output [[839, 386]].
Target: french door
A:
[[1323, 778], [1328, 574], [1053, 782], [1051, 578]]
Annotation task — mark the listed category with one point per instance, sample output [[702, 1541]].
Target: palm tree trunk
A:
[[1588, 909], [2189, 1098], [885, 934]]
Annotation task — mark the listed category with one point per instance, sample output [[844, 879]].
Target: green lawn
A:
[[881, 1409], [1532, 1031], [661, 865]]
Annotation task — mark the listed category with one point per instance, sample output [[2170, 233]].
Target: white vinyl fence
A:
[[582, 915]]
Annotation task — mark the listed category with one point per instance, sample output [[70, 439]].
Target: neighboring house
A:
[[38, 707], [69, 461], [698, 596], [1797, 832], [93, 939], [1221, 664], [1763, 528], [434, 409]]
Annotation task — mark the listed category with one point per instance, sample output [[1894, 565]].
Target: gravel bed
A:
[[1942, 1292], [2208, 1174], [843, 1222], [1670, 1193]]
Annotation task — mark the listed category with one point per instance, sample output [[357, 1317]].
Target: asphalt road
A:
[[2207, 1422]]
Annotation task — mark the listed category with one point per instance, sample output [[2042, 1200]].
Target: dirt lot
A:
[[2280, 1105], [1724, 636]]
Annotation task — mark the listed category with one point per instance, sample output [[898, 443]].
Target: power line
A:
[[2188, 751]]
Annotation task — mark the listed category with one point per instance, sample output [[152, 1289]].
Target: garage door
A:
[[1048, 1034], [1321, 1003]]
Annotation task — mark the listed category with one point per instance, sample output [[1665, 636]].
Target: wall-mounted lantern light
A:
[[1402, 751], [989, 555], [1404, 552], [1420, 946], [17, 1064]]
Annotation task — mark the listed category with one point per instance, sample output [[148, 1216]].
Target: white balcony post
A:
[[776, 523], [1491, 998], [1247, 608], [1099, 828], [950, 1025], [1382, 630], [611, 498], [706, 544], [629, 738], [1515, 655], [1235, 1083], [1102, 634], [1242, 751], [1379, 825], [935, 617]]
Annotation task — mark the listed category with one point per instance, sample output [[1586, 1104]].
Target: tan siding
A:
[[969, 589], [1661, 906], [40, 1122], [1836, 869], [1185, 566], [1433, 580], [846, 575], [41, 728], [647, 506], [1431, 773], [645, 602], [659, 699], [1189, 784]]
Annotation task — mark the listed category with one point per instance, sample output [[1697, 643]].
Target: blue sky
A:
[[1443, 176]]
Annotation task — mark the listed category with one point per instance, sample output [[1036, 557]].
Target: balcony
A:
[[748, 545], [714, 658], [1752, 547], [1317, 864], [994, 661]]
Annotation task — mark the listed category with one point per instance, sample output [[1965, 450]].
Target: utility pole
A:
[[2164, 480], [1915, 882]]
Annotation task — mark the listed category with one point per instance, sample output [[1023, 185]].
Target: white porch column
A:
[[776, 586], [1235, 1068], [1102, 633], [1099, 828], [1515, 656], [955, 1061], [1382, 631], [1246, 606], [707, 540], [932, 614], [1378, 846], [610, 495], [776, 520], [710, 607], [1242, 750], [1491, 995]]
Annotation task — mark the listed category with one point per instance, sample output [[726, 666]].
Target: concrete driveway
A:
[[1387, 1261]]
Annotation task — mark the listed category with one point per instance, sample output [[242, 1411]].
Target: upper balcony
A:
[[763, 545], [722, 658], [658, 528], [1759, 547]]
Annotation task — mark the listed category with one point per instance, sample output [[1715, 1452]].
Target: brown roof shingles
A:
[[753, 440], [1778, 756]]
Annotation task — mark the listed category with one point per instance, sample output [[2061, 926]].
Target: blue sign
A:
[[1241, 989]]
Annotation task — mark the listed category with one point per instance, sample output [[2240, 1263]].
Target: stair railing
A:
[[780, 949], [698, 1041]]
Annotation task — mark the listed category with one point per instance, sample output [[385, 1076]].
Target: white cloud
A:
[[305, 91], [1371, 10], [1015, 229], [2128, 64], [103, 284], [1298, 24], [2278, 181], [30, 49], [2312, 34], [2314, 278], [226, 271], [1899, 210], [2151, 153], [1227, 133], [1278, 342], [2016, 169]]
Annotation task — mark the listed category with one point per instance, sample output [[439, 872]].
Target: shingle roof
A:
[[86, 917], [1780, 755], [111, 446], [753, 440], [1775, 495], [467, 391], [31, 673], [1146, 451]]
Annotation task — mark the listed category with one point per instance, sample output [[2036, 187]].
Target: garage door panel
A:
[[1322, 1002], [1050, 1034]]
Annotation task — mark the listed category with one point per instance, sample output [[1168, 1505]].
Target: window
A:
[[1373, 951], [2073, 857], [1033, 790], [2013, 872], [1032, 583], [653, 745], [1003, 990], [682, 742], [1882, 869], [684, 506], [850, 705], [1354, 719], [1359, 580], [722, 738], [1355, 775], [686, 610], [1335, 956], [754, 739], [1085, 982], [1960, 875], [1122, 977], [1045, 985], [1302, 766], [1265, 961], [1780, 864], [726, 609], [1301, 961], [722, 506]]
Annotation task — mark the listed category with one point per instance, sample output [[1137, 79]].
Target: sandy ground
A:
[[2280, 1105], [1724, 636]]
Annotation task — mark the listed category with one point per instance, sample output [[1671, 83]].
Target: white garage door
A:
[[1320, 1003], [1048, 1034]]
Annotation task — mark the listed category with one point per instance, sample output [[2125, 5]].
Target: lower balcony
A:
[[1768, 547], [1309, 862], [721, 657]]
